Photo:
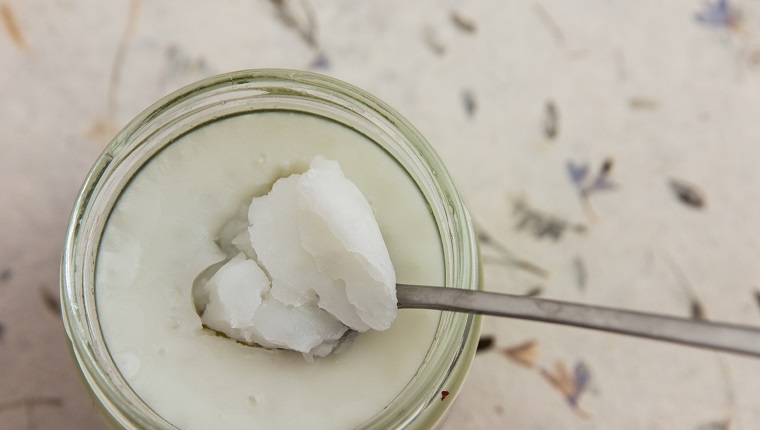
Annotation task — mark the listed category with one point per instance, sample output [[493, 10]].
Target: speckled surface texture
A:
[[607, 150]]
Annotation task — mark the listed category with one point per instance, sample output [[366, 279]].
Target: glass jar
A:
[[419, 405]]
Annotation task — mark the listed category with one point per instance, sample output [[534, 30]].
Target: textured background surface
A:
[[520, 99]]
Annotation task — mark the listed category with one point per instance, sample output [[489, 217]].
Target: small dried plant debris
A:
[[117, 67], [570, 385], [179, 63], [431, 39], [719, 13], [11, 26], [643, 103], [524, 354], [698, 311], [507, 257], [550, 23], [463, 23], [51, 302], [31, 402], [754, 58], [560, 378], [485, 238], [551, 120], [541, 225], [28, 405], [320, 62], [581, 379], [520, 264], [305, 26], [469, 102], [688, 194], [485, 343], [606, 167], [715, 425], [580, 272], [444, 394], [588, 184], [729, 387], [6, 275], [622, 70]]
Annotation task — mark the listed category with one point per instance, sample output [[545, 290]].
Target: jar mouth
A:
[[253, 91]]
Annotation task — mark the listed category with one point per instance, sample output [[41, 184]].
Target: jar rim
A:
[[453, 339]]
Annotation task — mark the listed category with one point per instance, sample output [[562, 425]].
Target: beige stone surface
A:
[[649, 85]]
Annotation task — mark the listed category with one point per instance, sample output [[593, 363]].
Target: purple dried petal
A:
[[582, 376], [719, 13], [578, 172], [320, 62]]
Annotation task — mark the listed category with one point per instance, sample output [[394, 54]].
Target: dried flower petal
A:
[[580, 270], [463, 23], [507, 257], [688, 194], [31, 403], [11, 26], [538, 223], [719, 14], [431, 39], [570, 386], [524, 353], [560, 379], [52, 303], [642, 103], [320, 62], [578, 172], [715, 425], [551, 120], [581, 378], [698, 311], [534, 292], [469, 102]]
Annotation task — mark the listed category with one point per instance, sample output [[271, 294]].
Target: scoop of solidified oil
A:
[[309, 267]]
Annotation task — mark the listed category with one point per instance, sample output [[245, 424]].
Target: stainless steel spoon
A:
[[725, 337]]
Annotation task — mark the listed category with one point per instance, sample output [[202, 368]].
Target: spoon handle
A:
[[726, 337]]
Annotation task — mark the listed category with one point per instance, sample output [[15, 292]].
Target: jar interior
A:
[[248, 93]]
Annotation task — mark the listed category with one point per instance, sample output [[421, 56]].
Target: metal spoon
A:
[[725, 337]]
